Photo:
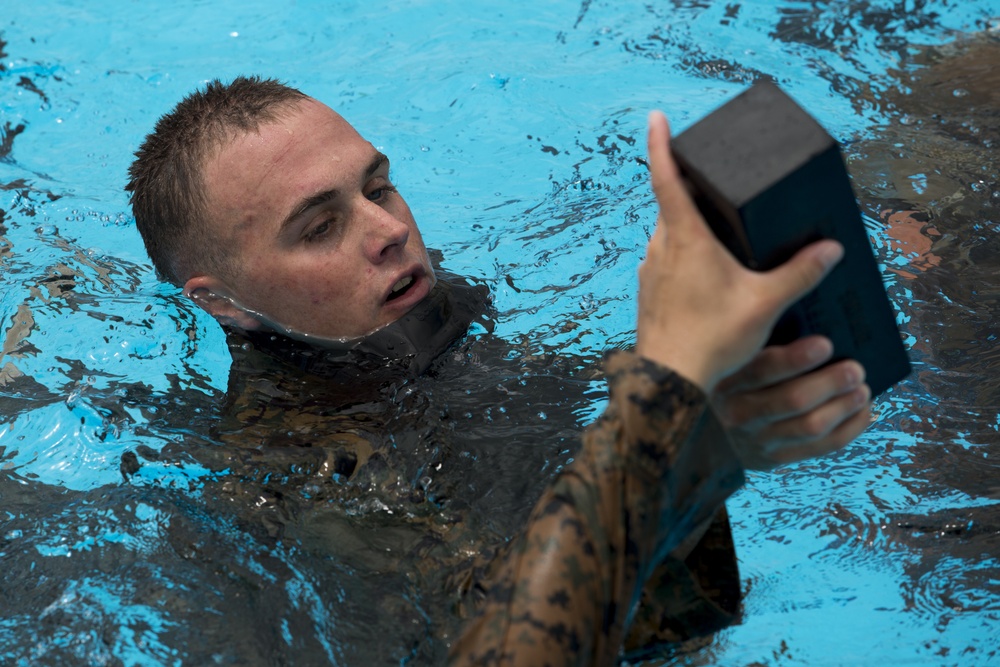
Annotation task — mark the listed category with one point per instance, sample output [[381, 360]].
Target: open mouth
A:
[[400, 288]]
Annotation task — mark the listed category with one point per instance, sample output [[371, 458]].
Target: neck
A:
[[401, 350]]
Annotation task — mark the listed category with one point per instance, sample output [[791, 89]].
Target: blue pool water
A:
[[516, 132]]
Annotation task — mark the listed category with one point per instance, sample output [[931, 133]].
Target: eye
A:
[[318, 232], [380, 193]]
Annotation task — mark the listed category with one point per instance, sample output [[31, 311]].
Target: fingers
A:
[[790, 281], [818, 423], [668, 186], [838, 438], [790, 400], [705, 315], [802, 273], [661, 166], [832, 428], [797, 417], [701, 312], [778, 363]]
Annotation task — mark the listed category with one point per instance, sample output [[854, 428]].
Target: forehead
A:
[[257, 175]]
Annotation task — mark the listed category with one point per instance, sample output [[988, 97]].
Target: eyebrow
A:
[[312, 201]]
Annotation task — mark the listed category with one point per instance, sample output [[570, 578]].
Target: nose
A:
[[385, 234]]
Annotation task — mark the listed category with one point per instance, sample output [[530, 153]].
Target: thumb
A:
[[804, 271], [668, 186]]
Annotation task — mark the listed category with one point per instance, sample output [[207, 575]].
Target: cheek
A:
[[344, 289], [326, 290], [303, 285]]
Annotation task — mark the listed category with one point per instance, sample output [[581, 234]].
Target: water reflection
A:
[[935, 166]]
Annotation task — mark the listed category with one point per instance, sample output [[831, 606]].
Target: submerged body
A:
[[423, 477]]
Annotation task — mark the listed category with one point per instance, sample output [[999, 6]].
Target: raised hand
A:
[[701, 312], [782, 407]]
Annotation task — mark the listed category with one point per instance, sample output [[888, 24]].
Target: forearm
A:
[[650, 471]]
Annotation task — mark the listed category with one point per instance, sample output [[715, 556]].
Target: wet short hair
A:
[[166, 180]]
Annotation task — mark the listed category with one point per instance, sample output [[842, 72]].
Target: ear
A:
[[212, 296]]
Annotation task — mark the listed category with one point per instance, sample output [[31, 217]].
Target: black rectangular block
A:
[[769, 181]]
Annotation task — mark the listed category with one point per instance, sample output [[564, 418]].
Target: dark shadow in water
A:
[[932, 175]]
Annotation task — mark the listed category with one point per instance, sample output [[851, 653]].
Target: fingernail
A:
[[861, 395], [855, 374], [830, 254], [819, 350]]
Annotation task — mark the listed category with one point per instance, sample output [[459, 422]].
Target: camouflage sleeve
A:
[[652, 469], [690, 595]]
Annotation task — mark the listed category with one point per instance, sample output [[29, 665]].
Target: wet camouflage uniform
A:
[[655, 467], [337, 465]]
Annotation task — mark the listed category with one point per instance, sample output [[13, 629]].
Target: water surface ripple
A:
[[141, 525]]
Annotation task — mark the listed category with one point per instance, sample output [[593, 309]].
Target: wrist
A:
[[690, 365]]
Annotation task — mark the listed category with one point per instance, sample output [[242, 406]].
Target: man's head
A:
[[271, 211]]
